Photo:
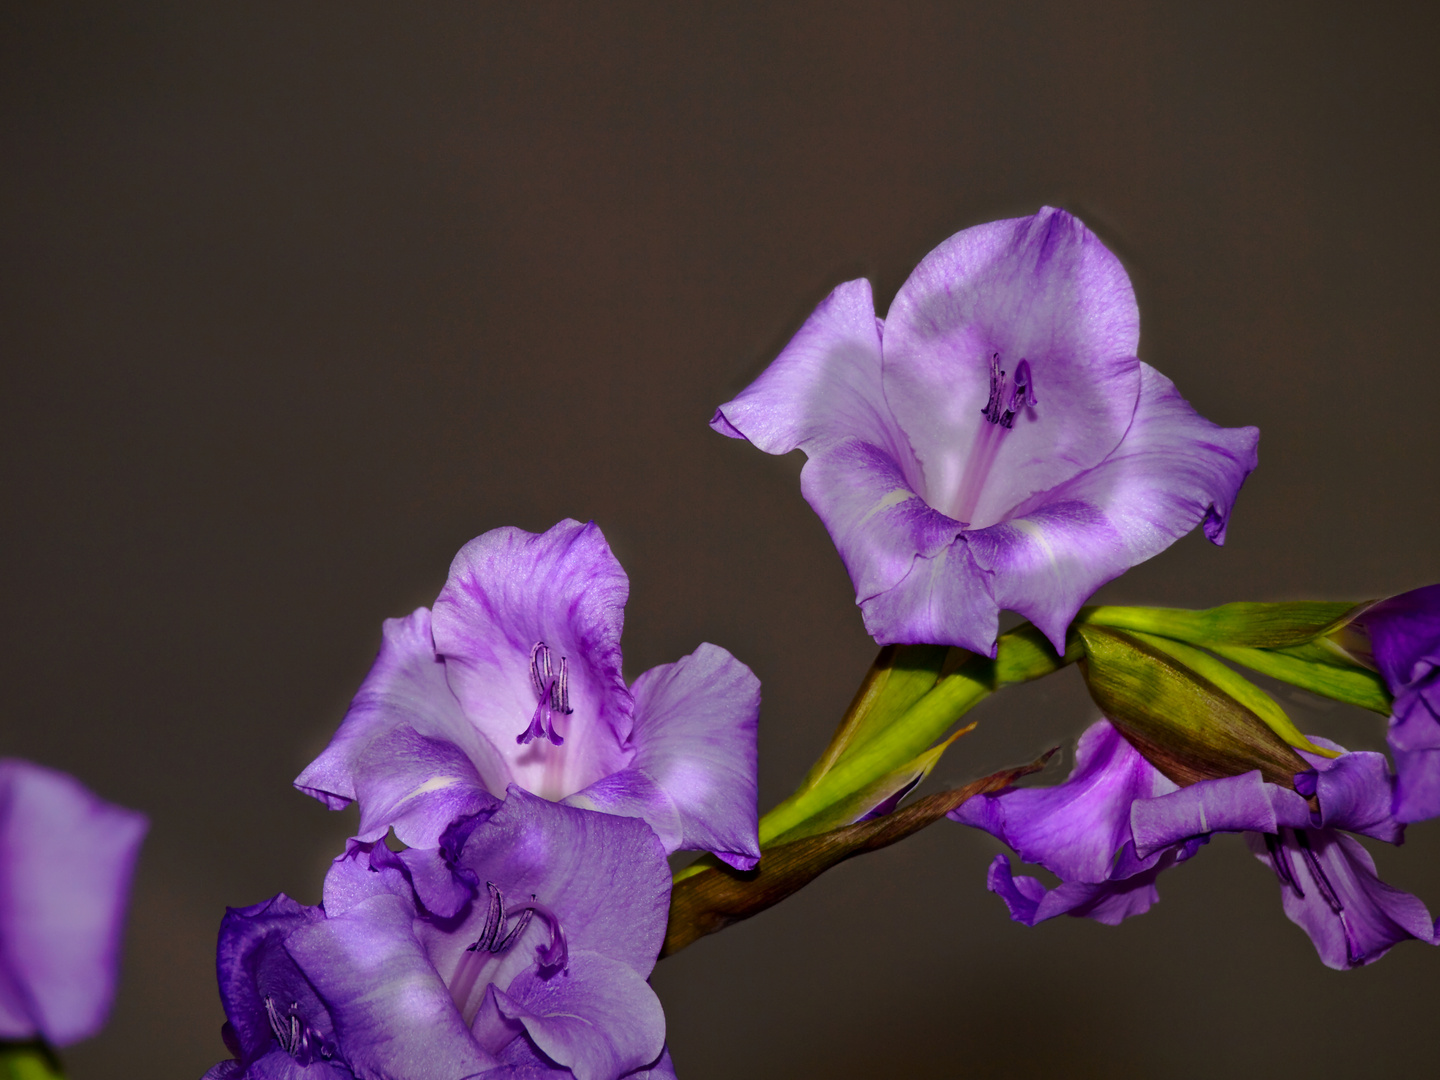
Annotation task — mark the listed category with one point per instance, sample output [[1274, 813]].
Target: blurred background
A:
[[296, 299]]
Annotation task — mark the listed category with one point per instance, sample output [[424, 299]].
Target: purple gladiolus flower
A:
[[519, 948], [1404, 642], [1110, 829], [994, 443], [515, 678], [66, 859]]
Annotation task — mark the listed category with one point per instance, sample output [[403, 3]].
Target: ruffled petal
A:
[[405, 749], [1041, 289], [1173, 470], [824, 385], [1335, 896], [510, 589], [393, 1015], [1109, 902], [694, 773], [1074, 829], [67, 859], [943, 600], [598, 1018]]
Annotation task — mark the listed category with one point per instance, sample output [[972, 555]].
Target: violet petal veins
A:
[[995, 442], [515, 678]]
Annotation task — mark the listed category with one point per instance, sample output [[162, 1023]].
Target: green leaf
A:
[[965, 680], [1185, 725], [900, 676], [851, 808], [29, 1061], [718, 896], [1266, 626], [1324, 671]]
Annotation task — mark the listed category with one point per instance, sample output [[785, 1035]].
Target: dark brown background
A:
[[298, 298]]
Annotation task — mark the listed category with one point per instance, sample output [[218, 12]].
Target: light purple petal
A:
[[878, 522], [824, 385], [66, 860], [694, 773], [1229, 804], [1371, 917], [1074, 829], [604, 876], [1041, 289], [1173, 470], [598, 1017], [1356, 793], [277, 1065], [393, 1015], [405, 748], [943, 600], [509, 589], [1109, 902]]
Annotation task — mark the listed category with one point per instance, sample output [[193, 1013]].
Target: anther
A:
[[552, 694], [494, 938], [1022, 393]]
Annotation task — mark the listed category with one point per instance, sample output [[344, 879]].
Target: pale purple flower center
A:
[[503, 927], [1009, 398], [552, 692], [297, 1038]]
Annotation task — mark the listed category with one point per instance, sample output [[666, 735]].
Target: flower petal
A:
[[694, 739], [393, 1015], [878, 522], [1074, 829], [598, 1017], [604, 876], [1371, 917], [1414, 739], [1173, 470], [1109, 902], [824, 385], [510, 589], [1042, 289], [67, 859], [252, 964], [405, 748], [1404, 635], [945, 599]]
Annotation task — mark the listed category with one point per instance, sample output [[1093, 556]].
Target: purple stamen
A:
[[1326, 889], [991, 411], [296, 1038], [1280, 863], [494, 938], [552, 694]]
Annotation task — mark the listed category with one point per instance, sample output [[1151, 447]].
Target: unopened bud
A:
[[1186, 725]]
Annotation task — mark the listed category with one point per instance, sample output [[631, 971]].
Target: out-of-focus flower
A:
[[66, 859], [1403, 635], [519, 948], [1110, 829], [515, 678], [995, 443]]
